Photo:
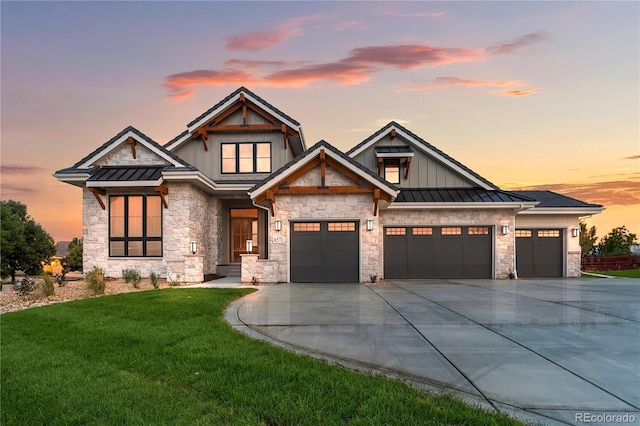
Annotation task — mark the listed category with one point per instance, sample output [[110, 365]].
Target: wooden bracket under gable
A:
[[283, 129], [97, 192], [406, 168], [132, 143], [163, 190], [272, 202], [380, 163], [323, 168], [202, 133], [244, 109], [376, 198]]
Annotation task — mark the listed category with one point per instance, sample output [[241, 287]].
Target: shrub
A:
[[173, 282], [95, 280], [132, 276], [25, 287], [154, 280], [47, 287]]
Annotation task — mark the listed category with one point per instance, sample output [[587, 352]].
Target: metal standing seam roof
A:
[[459, 195], [397, 149], [553, 199], [425, 143], [127, 174]]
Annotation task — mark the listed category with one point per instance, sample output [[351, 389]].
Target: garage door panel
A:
[[539, 252], [325, 252], [477, 256], [421, 258], [450, 259]]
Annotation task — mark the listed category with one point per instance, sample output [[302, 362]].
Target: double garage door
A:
[[325, 252], [438, 252]]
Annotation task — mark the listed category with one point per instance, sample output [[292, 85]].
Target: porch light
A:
[[505, 230], [193, 247], [249, 245], [369, 224], [278, 225], [575, 232]]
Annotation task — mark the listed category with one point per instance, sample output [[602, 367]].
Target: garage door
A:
[[438, 252], [539, 252], [324, 252]]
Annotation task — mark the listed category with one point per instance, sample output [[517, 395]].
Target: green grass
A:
[[168, 357], [628, 273]]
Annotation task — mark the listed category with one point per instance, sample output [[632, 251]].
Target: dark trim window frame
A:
[[135, 226], [245, 157]]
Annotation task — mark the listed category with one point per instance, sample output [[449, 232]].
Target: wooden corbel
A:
[[132, 143], [272, 201], [323, 168], [406, 168], [283, 129], [244, 109], [163, 190], [97, 192], [376, 198], [202, 133], [380, 163], [393, 133]]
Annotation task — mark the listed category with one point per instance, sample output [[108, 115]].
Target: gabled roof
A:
[[226, 103], [310, 154], [554, 203], [426, 147], [90, 160]]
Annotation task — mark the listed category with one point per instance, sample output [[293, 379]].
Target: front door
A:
[[244, 226]]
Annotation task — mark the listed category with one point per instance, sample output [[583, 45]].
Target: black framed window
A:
[[392, 170], [135, 226], [246, 157]]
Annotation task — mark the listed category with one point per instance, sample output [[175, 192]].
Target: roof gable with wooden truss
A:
[[394, 130], [245, 102], [356, 179]]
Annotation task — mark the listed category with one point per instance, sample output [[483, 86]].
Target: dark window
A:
[[246, 157], [306, 227], [392, 171], [135, 226], [341, 226], [396, 231]]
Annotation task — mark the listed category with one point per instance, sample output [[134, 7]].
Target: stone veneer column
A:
[[193, 268]]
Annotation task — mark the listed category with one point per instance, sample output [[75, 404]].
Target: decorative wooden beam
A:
[[347, 172], [260, 112], [163, 190], [132, 143], [97, 192], [323, 168], [376, 198], [393, 133], [380, 163], [272, 202], [242, 128], [202, 134], [244, 109], [224, 114], [340, 189], [407, 164]]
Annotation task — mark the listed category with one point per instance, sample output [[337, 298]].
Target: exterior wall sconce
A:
[[575, 232], [193, 247], [278, 225], [249, 246], [369, 224], [505, 230]]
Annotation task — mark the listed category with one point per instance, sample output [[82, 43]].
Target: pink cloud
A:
[[414, 15], [255, 41], [341, 72], [180, 84], [442, 82], [522, 92], [10, 169], [348, 25], [620, 192], [517, 44], [411, 55]]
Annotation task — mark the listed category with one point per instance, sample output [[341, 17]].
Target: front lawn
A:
[[628, 273], [168, 357]]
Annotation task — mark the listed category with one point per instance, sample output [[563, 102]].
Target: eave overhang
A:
[[463, 205], [580, 211]]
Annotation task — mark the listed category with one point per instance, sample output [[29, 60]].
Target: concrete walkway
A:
[[547, 351]]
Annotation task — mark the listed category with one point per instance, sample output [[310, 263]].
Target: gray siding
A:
[[209, 162], [425, 171]]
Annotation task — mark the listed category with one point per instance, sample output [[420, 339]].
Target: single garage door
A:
[[438, 252], [539, 252], [325, 252]]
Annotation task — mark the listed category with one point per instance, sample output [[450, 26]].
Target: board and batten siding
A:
[[425, 171], [210, 162]]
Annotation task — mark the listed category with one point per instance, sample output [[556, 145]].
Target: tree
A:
[[588, 238], [616, 242], [73, 260], [24, 245]]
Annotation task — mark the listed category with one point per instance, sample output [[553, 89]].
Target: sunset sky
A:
[[539, 95]]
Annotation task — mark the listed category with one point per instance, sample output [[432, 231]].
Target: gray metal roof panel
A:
[[458, 195], [394, 149], [553, 199], [127, 173]]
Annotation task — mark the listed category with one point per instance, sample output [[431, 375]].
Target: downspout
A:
[[515, 261]]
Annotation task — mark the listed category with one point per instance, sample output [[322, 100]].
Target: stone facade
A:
[[504, 245], [122, 156], [259, 271]]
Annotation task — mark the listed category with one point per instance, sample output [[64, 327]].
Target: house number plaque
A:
[[278, 239]]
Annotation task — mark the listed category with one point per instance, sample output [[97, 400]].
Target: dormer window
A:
[[246, 157], [392, 170], [390, 158]]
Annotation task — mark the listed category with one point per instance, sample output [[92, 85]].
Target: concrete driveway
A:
[[559, 351]]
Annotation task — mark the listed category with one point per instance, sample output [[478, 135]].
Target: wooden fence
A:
[[610, 263]]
